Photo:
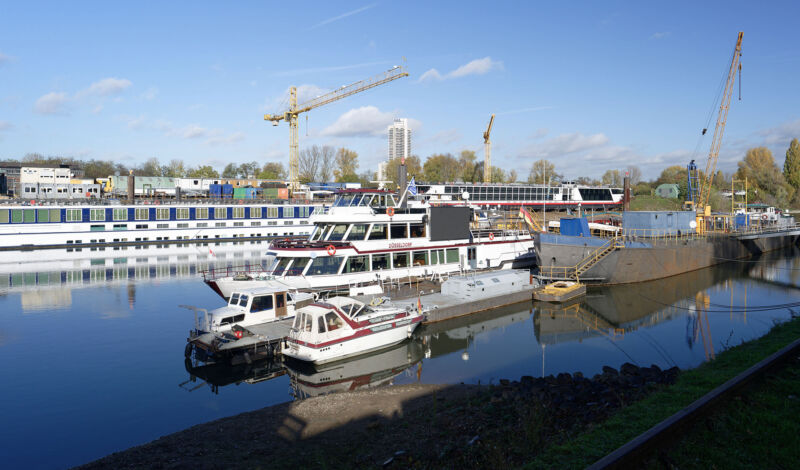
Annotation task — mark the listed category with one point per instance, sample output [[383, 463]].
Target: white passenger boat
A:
[[79, 225], [342, 327], [365, 238]]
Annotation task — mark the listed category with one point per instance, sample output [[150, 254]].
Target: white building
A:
[[399, 139], [36, 175]]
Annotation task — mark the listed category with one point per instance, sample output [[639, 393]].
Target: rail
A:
[[112, 201]]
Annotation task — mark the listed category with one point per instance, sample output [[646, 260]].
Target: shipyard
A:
[[555, 243]]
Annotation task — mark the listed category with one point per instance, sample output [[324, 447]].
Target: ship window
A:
[[142, 214], [420, 258], [16, 216], [280, 266], [380, 262], [344, 201], [399, 231], [332, 321], [243, 300], [162, 214], [4, 216], [97, 215], [43, 216], [358, 232], [119, 214], [255, 212], [437, 256], [356, 264], [220, 212], [272, 212], [261, 303], [234, 299], [417, 230], [390, 201], [400, 260], [321, 324], [338, 232], [233, 319], [201, 213], [298, 266], [323, 265], [307, 319], [238, 212], [379, 232], [452, 255], [182, 213]]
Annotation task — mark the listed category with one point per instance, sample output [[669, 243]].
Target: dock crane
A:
[[487, 149], [703, 209], [290, 115]]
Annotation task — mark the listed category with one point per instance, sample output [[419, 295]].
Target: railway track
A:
[[664, 433]]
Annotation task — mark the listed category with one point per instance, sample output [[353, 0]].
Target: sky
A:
[[590, 86]]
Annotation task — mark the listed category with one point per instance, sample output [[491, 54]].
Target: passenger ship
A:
[[566, 194], [86, 224], [365, 238]]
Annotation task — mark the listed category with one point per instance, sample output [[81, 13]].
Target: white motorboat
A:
[[365, 238], [343, 327]]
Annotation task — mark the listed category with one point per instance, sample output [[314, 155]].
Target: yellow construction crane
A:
[[703, 209], [487, 149], [290, 115]]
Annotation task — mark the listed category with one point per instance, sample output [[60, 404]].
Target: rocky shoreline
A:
[[420, 426]]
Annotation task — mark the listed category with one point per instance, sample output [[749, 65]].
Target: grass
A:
[[759, 430]]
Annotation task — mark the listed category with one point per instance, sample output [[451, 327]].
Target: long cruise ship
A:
[[364, 237], [59, 224], [566, 194]]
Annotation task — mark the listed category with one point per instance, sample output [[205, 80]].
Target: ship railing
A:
[[230, 271], [115, 200]]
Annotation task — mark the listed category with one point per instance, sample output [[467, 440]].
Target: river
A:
[[92, 343]]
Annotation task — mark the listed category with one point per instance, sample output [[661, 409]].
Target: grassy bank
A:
[[757, 430]]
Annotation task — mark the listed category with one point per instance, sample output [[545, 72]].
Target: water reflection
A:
[[46, 279]]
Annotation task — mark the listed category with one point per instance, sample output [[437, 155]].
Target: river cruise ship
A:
[[563, 195], [365, 238], [61, 224]]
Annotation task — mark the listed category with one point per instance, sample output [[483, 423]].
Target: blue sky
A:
[[590, 86]]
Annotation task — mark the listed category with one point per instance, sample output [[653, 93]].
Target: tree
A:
[[205, 171], [315, 163], [441, 168], [674, 174], [175, 169], [231, 170], [467, 163], [635, 174], [543, 171], [103, 169], [512, 176], [327, 158], [791, 166], [413, 168], [247, 170], [498, 175], [585, 180], [612, 178], [764, 176], [272, 171], [346, 166], [149, 168]]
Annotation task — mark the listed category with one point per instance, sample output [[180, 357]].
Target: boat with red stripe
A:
[[343, 327]]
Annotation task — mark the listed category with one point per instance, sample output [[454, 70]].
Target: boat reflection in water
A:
[[216, 375]]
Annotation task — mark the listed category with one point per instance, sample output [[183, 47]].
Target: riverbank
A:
[[566, 421]]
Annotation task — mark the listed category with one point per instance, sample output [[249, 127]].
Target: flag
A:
[[419, 304], [412, 187]]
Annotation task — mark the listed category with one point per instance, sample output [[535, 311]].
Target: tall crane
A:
[[290, 115], [711, 166], [487, 151]]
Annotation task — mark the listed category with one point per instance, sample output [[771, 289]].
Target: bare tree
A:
[[327, 158], [308, 163], [635, 174]]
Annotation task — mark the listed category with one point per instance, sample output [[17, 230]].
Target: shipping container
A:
[[647, 223]]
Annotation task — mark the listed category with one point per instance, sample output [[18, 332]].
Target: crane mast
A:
[[487, 153], [290, 115], [722, 117]]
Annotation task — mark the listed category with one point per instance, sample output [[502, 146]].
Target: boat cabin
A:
[[254, 306]]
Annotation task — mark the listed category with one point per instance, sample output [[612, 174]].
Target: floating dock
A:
[[240, 344], [560, 291]]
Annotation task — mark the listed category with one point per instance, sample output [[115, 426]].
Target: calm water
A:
[[92, 343]]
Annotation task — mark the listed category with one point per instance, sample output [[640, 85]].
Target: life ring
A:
[[331, 250], [491, 236], [764, 217], [390, 211]]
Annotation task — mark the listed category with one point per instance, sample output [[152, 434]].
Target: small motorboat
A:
[[254, 306], [343, 327]]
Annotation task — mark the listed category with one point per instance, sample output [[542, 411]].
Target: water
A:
[[92, 343]]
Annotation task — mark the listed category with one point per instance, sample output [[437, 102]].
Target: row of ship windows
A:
[[29, 216], [102, 227], [322, 265], [194, 241]]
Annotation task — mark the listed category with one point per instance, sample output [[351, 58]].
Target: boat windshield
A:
[[343, 200], [297, 267], [280, 266]]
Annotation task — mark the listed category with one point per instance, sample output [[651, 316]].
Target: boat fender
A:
[[188, 350]]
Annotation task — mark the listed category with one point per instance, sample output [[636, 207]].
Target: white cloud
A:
[[446, 137], [136, 122], [212, 136], [52, 103], [106, 87], [192, 131], [4, 59], [222, 139], [781, 134], [366, 121], [149, 94], [5, 125], [97, 109], [342, 16], [565, 144], [660, 35], [474, 67]]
